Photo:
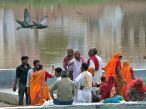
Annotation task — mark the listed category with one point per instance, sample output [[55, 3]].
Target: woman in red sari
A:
[[113, 68], [136, 90], [39, 90], [108, 90]]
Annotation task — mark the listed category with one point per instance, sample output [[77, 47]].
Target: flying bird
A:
[[42, 24], [27, 23]]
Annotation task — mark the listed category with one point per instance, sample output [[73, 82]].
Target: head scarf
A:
[[126, 73], [110, 68], [133, 83]]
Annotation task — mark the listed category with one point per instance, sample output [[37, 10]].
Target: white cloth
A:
[[84, 95], [59, 78], [75, 66], [92, 65], [29, 75], [97, 74]]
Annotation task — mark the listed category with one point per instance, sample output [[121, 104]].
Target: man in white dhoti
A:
[[98, 73], [84, 84], [96, 63]]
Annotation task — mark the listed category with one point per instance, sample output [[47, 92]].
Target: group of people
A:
[[77, 79]]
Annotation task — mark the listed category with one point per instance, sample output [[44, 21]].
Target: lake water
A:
[[77, 24]]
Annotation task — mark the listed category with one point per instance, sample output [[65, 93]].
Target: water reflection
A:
[[110, 28]]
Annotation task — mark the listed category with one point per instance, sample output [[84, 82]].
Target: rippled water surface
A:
[[78, 24]]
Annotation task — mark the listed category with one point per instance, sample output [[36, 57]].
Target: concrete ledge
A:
[[7, 78], [9, 98], [140, 105]]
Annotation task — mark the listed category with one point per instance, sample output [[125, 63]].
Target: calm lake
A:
[[77, 24]]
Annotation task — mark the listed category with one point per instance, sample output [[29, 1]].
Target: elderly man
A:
[[76, 63], [68, 58], [66, 90]]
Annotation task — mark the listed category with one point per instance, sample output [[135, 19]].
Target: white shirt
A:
[[80, 80], [98, 74], [92, 65], [100, 62], [75, 66], [29, 75], [59, 78], [84, 95]]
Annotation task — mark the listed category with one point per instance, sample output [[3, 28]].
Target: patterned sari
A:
[[39, 90], [136, 90]]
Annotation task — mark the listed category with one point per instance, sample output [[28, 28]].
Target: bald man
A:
[[76, 63]]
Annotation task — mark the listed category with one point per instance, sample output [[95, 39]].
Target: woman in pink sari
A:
[[136, 90]]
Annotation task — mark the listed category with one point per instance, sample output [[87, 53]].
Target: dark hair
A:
[[103, 78], [91, 51], [85, 66], [24, 57], [70, 49], [64, 73], [40, 67], [95, 51], [120, 57], [58, 70], [35, 62]]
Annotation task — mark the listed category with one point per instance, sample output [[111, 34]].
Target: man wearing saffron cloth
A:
[[113, 68], [84, 84], [68, 58]]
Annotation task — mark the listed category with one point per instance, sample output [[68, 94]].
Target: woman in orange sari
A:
[[39, 90], [127, 73], [113, 68]]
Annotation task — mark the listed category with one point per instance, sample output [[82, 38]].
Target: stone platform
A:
[[129, 105], [8, 96]]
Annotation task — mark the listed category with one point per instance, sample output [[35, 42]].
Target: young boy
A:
[[58, 71]]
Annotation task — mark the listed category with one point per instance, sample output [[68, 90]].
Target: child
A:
[[58, 71]]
